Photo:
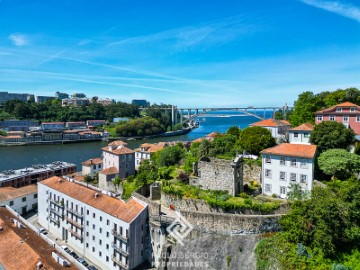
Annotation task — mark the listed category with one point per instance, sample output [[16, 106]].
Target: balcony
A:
[[57, 203], [78, 236], [54, 220], [73, 211], [56, 212], [120, 263], [73, 222], [120, 249], [120, 236]]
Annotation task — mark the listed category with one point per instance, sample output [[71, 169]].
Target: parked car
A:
[[72, 253], [82, 261], [91, 267], [66, 248]]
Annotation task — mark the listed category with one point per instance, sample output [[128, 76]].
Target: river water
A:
[[16, 157]]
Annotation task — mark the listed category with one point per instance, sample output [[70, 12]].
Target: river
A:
[[16, 157]]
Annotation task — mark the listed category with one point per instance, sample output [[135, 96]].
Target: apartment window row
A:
[[345, 118]]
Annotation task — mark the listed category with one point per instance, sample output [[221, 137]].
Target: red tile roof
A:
[[270, 123], [119, 150], [93, 161], [117, 143], [109, 171], [9, 193], [304, 127], [125, 211], [292, 150], [342, 105]]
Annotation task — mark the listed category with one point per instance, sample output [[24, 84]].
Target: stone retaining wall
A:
[[252, 172]]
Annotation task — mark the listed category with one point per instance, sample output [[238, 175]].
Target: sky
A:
[[181, 52]]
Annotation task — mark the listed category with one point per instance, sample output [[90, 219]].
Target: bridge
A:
[[189, 114]]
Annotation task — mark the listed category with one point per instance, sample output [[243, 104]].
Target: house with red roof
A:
[[286, 164], [278, 128], [346, 113], [301, 134]]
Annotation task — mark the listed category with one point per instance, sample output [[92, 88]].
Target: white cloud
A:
[[18, 39], [342, 9]]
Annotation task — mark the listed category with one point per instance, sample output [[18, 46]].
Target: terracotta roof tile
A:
[[292, 150], [93, 161], [305, 127], [342, 105], [270, 123], [109, 171], [125, 211], [119, 150], [9, 193], [117, 143]]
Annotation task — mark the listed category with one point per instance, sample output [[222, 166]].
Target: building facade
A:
[[287, 164], [21, 200], [109, 232], [5, 96], [145, 150], [278, 128], [301, 134], [346, 113], [92, 166]]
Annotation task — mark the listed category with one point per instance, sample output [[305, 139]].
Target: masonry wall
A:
[[252, 172]]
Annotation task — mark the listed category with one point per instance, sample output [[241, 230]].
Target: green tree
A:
[[87, 178], [234, 130], [296, 193], [117, 182], [255, 139], [170, 155], [339, 163], [304, 108], [330, 134]]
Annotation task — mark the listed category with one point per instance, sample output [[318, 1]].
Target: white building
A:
[[109, 232], [301, 134], [21, 200], [278, 128], [285, 164], [145, 150], [92, 166]]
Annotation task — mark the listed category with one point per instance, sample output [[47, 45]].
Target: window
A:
[[35, 196], [100, 218], [282, 160], [352, 109], [303, 178], [339, 109], [293, 162], [107, 246], [319, 117], [267, 159], [93, 237], [332, 118], [107, 222], [268, 173], [11, 203], [107, 258], [87, 212], [267, 188], [282, 190], [100, 254], [34, 206], [107, 234], [87, 223], [293, 177], [100, 230], [100, 242], [93, 249], [87, 233], [93, 226], [303, 163], [358, 118], [306, 135], [283, 176], [93, 215], [24, 199], [296, 135], [346, 118]]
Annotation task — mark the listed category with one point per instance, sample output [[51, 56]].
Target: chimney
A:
[[97, 195], [90, 161]]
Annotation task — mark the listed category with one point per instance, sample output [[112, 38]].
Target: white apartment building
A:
[[287, 163], [301, 134], [109, 232], [278, 128], [21, 200], [92, 166], [145, 150]]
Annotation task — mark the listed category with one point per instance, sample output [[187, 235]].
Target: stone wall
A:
[[252, 172]]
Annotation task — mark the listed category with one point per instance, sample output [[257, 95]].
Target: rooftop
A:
[[22, 248], [118, 149], [125, 211], [117, 143], [304, 127], [292, 150], [93, 161], [9, 193], [151, 148], [270, 123], [109, 171], [38, 168], [342, 105]]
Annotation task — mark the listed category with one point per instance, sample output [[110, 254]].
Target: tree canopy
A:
[[255, 139], [339, 163], [330, 134]]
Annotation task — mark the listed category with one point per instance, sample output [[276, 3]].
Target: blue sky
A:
[[186, 53]]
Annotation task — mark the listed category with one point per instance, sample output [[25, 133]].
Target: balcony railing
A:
[[73, 211], [120, 249], [58, 203], [70, 220], [120, 236], [56, 212], [78, 236], [54, 220], [118, 262]]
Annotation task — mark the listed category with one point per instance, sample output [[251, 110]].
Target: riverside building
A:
[[108, 231]]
